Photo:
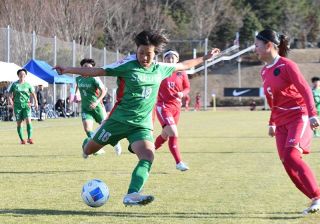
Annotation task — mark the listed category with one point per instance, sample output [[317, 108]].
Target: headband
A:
[[171, 52]]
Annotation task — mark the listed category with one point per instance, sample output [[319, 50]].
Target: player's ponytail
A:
[[283, 45]]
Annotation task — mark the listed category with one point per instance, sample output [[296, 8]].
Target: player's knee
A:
[[146, 154]]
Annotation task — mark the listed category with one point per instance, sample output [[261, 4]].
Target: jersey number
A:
[[104, 136], [146, 92]]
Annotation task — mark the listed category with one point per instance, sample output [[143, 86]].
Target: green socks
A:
[[29, 130], [20, 132], [139, 176]]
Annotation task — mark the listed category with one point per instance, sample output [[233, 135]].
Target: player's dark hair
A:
[[156, 38], [22, 70], [89, 61], [315, 79], [281, 41]]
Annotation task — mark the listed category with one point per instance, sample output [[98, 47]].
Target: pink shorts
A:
[[296, 134], [168, 116]]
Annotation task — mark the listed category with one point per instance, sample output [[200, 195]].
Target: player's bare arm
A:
[[194, 62], [83, 71]]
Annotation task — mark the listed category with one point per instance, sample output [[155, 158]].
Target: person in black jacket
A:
[[40, 101]]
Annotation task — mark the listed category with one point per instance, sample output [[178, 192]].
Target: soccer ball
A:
[[95, 193]]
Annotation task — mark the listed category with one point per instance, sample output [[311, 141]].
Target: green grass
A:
[[235, 176]]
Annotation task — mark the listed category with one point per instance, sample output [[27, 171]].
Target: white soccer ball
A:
[[95, 193]]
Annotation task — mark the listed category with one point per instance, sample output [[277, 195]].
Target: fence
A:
[[20, 47]]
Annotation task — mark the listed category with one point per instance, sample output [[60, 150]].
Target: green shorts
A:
[[22, 113], [98, 114], [111, 132]]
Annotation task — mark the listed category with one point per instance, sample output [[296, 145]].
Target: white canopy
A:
[[8, 73]]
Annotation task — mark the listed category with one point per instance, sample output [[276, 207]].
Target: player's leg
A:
[[29, 130], [100, 116], [281, 140], [20, 132], [109, 132], [172, 131], [141, 143], [88, 118], [87, 122], [163, 137], [19, 118], [298, 142]]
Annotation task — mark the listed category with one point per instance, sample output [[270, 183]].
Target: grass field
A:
[[235, 175]]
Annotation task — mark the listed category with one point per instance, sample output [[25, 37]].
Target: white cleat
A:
[[182, 166], [118, 149], [135, 198], [314, 207], [100, 152]]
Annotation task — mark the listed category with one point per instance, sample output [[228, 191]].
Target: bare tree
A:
[[205, 15]]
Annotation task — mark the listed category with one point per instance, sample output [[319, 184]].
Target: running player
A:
[[20, 92], [139, 79], [292, 112], [92, 92], [171, 91]]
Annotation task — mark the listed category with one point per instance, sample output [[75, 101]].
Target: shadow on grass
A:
[[174, 215]]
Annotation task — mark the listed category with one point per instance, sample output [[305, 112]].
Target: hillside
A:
[[226, 75]]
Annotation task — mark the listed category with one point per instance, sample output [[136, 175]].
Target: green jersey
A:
[[137, 90], [316, 97], [89, 90], [21, 94]]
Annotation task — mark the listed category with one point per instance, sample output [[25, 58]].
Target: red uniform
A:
[[169, 103], [291, 101]]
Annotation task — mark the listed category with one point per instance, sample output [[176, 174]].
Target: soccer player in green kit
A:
[[20, 92], [92, 92], [139, 78], [316, 96]]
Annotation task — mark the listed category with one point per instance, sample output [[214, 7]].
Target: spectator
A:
[[197, 104], [40, 101], [59, 107]]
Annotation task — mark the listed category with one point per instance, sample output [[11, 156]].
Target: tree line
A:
[[113, 23]]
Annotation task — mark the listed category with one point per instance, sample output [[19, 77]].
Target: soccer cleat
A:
[[100, 152], [314, 207], [23, 142], [85, 156], [30, 141], [182, 166], [135, 198], [118, 149]]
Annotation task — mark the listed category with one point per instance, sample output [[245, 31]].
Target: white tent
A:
[[8, 73]]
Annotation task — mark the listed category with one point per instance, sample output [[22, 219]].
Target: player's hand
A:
[[272, 131], [94, 105], [60, 69], [211, 54], [36, 107], [314, 122]]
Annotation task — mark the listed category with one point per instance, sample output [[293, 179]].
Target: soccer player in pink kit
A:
[[168, 107], [292, 112]]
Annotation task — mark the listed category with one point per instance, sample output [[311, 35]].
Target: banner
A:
[[238, 92]]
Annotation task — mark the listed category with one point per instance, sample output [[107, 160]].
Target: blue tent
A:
[[44, 71]]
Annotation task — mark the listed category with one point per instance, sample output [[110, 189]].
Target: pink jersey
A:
[[288, 94], [169, 88]]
